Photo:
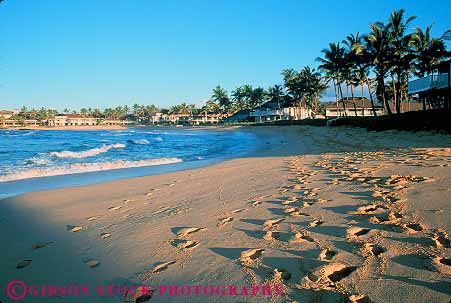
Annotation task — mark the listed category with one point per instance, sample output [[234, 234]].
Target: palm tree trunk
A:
[[384, 97], [342, 99], [336, 96], [353, 101], [371, 95], [363, 105], [395, 95]]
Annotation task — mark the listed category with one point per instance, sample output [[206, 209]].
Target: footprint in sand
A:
[[91, 262], [302, 236], [281, 273], [440, 264], [359, 299], [105, 235], [413, 227], [189, 230], [114, 208], [184, 244], [327, 254], [441, 239], [73, 229], [272, 222], [327, 275], [369, 209], [251, 255], [224, 221], [315, 222], [290, 210], [355, 232], [39, 245], [375, 249], [162, 267], [271, 235], [307, 204], [23, 264]]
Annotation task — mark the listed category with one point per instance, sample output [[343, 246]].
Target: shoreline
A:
[[84, 128], [311, 199], [11, 188]]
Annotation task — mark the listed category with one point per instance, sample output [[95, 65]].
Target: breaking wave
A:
[[86, 153], [84, 168], [140, 141]]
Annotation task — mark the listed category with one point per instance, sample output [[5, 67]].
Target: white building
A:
[[271, 111], [356, 106], [73, 120]]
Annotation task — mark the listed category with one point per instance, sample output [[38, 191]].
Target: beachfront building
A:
[[242, 115], [113, 122], [273, 110], [157, 117], [18, 122], [178, 118], [7, 114], [410, 106], [72, 120], [433, 91], [356, 106], [206, 118]]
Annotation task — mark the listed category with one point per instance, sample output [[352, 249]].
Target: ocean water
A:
[[39, 159]]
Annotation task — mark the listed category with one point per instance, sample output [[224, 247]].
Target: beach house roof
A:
[[358, 102]]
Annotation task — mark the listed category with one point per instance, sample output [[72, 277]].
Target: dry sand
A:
[[326, 214]]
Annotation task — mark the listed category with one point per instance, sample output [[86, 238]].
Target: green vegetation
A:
[[380, 62]]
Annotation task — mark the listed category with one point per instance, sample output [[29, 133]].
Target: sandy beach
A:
[[321, 214]]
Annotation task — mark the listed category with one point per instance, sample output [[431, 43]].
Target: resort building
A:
[[16, 122], [157, 117], [178, 118], [115, 122], [356, 106], [7, 114], [240, 116], [433, 91], [273, 110], [206, 118], [73, 120]]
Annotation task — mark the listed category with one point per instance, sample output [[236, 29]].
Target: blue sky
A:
[[104, 53]]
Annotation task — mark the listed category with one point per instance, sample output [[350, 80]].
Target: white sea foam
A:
[[139, 141], [84, 168], [86, 153]]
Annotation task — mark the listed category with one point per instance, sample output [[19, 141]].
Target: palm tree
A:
[[358, 53], [220, 96], [401, 57], [314, 86], [332, 66], [428, 52], [240, 98], [378, 45], [276, 94], [352, 64]]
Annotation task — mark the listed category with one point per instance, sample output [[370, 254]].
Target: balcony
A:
[[427, 83]]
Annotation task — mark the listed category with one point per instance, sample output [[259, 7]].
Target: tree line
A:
[[380, 62]]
